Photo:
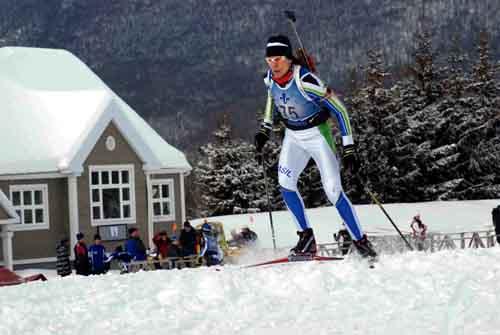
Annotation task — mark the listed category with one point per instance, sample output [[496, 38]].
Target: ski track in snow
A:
[[450, 292]]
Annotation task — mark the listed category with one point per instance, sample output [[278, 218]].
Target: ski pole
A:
[[375, 200], [268, 201]]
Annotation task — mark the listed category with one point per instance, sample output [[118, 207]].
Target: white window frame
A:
[[160, 182], [130, 185], [44, 188]]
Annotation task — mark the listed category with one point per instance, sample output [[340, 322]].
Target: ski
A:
[[296, 258]]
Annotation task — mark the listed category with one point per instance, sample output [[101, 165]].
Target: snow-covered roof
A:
[[53, 109], [6, 205]]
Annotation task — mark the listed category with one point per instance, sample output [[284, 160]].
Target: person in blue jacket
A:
[[134, 245], [97, 256], [211, 250], [305, 104]]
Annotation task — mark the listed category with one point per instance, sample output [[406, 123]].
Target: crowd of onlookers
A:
[[202, 245]]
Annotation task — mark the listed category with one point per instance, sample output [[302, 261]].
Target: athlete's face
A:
[[279, 65]]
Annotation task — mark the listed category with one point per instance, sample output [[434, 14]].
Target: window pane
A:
[[16, 198], [156, 191], [104, 177], [27, 198], [28, 216], [157, 209], [95, 178], [38, 197], [39, 215], [166, 208], [126, 211], [124, 177], [126, 194], [164, 191], [19, 213], [96, 213], [95, 195], [115, 177], [111, 203]]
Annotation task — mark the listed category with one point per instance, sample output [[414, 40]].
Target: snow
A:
[[449, 292], [452, 292], [440, 216]]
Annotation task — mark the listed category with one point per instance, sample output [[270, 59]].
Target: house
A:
[[76, 158]]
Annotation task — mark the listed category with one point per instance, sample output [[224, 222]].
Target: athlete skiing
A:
[[305, 104]]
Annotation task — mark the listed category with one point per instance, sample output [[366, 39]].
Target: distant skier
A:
[[419, 232], [305, 104], [344, 239]]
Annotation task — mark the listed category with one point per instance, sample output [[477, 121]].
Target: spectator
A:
[[82, 266], [344, 239], [63, 264], [97, 255], [161, 242], [187, 240], [173, 248], [419, 232], [211, 251], [134, 245]]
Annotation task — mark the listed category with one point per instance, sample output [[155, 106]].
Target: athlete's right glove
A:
[[262, 137], [350, 158]]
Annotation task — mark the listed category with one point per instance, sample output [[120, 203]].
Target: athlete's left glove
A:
[[350, 158], [262, 137]]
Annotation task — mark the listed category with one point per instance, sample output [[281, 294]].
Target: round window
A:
[[110, 143]]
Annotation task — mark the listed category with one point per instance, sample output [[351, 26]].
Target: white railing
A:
[[434, 242]]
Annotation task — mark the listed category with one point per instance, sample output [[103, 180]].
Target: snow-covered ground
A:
[[449, 292], [440, 216]]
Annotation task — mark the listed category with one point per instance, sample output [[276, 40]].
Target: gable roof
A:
[[53, 109], [6, 205]]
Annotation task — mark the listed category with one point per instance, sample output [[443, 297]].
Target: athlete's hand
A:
[[261, 138], [350, 158]]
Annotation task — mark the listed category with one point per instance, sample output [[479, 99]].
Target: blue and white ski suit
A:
[[305, 104]]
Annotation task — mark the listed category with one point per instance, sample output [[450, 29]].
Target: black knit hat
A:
[[279, 45]]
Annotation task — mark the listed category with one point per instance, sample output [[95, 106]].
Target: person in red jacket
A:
[[82, 265], [162, 244]]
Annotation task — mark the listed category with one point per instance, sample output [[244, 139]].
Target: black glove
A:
[[261, 138], [350, 158]]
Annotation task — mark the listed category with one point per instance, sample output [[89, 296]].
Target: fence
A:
[[434, 242]]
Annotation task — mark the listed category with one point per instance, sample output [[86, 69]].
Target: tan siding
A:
[[178, 204], [123, 154], [3, 214], [42, 243]]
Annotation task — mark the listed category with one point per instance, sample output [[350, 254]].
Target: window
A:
[[112, 192], [31, 203], [162, 199]]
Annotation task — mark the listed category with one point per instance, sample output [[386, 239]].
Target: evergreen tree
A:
[[484, 72], [228, 176], [424, 68]]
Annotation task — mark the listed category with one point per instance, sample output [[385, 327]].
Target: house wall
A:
[[42, 243], [3, 214], [100, 155]]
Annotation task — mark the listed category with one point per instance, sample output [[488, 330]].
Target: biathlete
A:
[[305, 104]]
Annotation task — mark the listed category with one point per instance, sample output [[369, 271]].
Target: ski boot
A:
[[365, 248], [306, 246]]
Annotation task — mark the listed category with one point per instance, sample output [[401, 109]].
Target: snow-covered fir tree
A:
[[446, 147], [228, 176]]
